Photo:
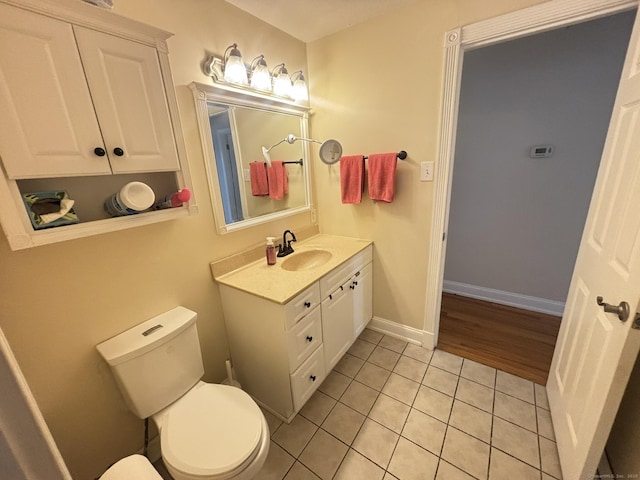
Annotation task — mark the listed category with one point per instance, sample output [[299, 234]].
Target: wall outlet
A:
[[426, 171], [313, 216]]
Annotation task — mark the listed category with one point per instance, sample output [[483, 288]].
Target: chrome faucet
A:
[[285, 249]]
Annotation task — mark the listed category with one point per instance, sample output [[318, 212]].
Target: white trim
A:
[[502, 297], [536, 19], [397, 330], [28, 445]]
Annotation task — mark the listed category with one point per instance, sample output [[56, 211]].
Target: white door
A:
[[48, 127], [129, 98], [595, 351]]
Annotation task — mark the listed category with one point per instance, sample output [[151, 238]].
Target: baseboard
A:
[[525, 302], [403, 332]]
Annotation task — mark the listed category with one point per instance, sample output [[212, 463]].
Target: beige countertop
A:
[[279, 285]]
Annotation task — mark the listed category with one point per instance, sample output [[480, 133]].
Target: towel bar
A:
[[296, 162], [401, 155]]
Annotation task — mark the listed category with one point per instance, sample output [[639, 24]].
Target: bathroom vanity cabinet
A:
[[283, 351], [88, 105]]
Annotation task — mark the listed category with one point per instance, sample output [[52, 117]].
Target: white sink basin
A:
[[306, 260]]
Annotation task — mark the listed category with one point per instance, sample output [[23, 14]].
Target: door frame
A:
[[529, 21]]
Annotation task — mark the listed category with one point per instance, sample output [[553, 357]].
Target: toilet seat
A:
[[212, 431]]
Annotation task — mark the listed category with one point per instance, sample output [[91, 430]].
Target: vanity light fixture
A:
[[231, 70], [260, 76], [281, 81], [299, 91], [234, 68]]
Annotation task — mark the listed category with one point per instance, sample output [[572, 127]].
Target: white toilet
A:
[[207, 431], [133, 466]]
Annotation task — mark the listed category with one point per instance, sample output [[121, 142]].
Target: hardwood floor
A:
[[516, 341]]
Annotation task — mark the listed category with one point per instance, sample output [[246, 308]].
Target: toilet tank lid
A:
[[146, 336]]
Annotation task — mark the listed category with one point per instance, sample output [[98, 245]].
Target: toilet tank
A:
[[156, 362]]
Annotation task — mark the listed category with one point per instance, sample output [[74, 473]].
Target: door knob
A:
[[118, 151], [99, 151], [621, 310]]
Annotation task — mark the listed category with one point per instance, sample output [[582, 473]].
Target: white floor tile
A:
[[410, 462], [376, 442], [516, 441], [515, 386], [515, 411], [466, 452], [424, 430], [441, 380], [395, 411]]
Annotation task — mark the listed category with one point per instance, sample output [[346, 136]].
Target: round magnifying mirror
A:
[[330, 151]]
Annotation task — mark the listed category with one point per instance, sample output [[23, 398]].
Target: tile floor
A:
[[391, 410]]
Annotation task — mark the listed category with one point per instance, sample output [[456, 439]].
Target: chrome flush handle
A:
[[621, 310]]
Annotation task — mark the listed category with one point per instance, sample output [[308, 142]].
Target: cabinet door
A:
[[362, 283], [129, 98], [337, 324], [48, 127]]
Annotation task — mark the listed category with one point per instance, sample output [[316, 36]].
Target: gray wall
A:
[[516, 222]]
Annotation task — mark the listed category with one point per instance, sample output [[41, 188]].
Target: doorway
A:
[[591, 365], [533, 118]]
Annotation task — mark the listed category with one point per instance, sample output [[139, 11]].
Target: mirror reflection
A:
[[234, 129]]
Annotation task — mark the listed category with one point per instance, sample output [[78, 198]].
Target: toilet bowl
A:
[[133, 466], [207, 431], [213, 432]]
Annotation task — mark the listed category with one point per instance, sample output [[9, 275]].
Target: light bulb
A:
[[260, 76], [299, 90], [282, 83], [234, 69]]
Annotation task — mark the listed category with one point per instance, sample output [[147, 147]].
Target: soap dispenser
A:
[[271, 251]]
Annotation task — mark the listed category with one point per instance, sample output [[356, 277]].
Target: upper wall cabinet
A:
[[88, 105], [91, 109]]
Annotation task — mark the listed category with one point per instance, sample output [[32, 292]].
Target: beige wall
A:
[[58, 301], [377, 88]]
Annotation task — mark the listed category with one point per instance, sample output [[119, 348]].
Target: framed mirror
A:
[[234, 125]]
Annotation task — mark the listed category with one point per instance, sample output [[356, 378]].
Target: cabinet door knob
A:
[[307, 304], [309, 338], [352, 287], [118, 151], [99, 151], [355, 283], [313, 378]]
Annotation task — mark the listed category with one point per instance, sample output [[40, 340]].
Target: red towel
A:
[[278, 181], [351, 178], [382, 176], [258, 176]]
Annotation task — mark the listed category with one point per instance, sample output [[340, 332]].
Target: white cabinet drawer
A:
[[307, 378], [339, 275], [304, 338], [302, 304]]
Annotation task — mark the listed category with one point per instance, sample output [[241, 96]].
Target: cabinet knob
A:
[[352, 286], [312, 378], [309, 338], [118, 151], [355, 283], [307, 304], [99, 151]]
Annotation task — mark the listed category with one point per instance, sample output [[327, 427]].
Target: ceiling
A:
[[310, 20]]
